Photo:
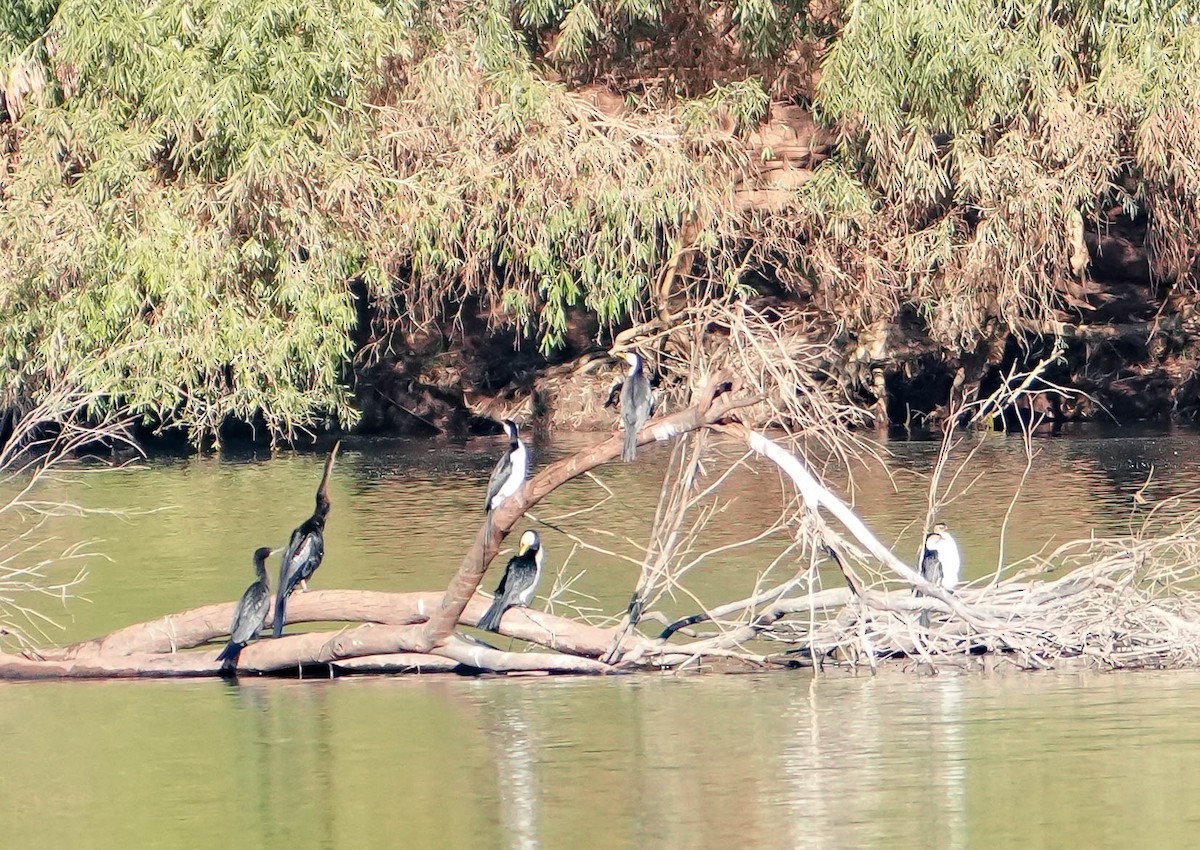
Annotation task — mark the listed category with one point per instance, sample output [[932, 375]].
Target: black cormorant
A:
[[519, 581], [637, 403], [941, 563], [306, 548], [510, 471], [250, 613]]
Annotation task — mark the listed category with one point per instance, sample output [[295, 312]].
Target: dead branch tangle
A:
[[1119, 603]]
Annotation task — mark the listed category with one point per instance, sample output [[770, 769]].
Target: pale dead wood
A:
[[1121, 602], [708, 409]]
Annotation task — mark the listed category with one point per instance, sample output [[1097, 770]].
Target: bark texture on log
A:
[[189, 629], [157, 648], [391, 630], [708, 409]]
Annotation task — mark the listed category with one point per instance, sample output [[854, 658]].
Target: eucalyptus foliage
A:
[[985, 132], [194, 186], [200, 182]]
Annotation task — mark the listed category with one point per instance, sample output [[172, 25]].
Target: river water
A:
[[787, 759]]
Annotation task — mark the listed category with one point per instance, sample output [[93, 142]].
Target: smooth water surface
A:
[[771, 760]]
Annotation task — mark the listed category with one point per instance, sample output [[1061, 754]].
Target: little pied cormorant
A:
[[305, 550], [941, 563], [637, 403], [520, 579], [250, 614], [510, 471]]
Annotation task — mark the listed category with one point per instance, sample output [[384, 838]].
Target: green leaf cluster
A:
[[199, 183], [193, 187], [984, 131], [168, 214]]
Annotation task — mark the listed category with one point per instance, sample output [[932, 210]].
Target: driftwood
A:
[[1118, 603], [409, 625]]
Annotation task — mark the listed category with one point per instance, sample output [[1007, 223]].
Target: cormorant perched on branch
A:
[[520, 579], [306, 548], [941, 563], [637, 403], [250, 613], [510, 471]]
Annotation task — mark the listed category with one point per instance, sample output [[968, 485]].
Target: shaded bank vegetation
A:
[[395, 215], [826, 592]]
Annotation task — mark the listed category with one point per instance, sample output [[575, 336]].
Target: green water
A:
[[778, 760]]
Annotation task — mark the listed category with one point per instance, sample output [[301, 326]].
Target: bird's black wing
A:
[[499, 594], [931, 567], [635, 410], [521, 575], [499, 476], [289, 563], [250, 613], [316, 554], [614, 395], [304, 551], [303, 556], [490, 621], [635, 407]]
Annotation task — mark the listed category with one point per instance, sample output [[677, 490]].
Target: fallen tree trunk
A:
[[413, 625], [189, 629], [1109, 608]]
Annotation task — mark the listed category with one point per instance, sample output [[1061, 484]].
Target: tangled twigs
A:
[[708, 409], [409, 624], [50, 434], [1120, 602]]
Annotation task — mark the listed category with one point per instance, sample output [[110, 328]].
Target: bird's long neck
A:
[[322, 509], [635, 368], [260, 570]]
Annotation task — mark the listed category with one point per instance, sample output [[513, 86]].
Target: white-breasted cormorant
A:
[[941, 563], [510, 471], [637, 403], [520, 579], [250, 614], [305, 550]]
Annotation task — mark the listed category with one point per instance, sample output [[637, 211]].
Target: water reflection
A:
[[724, 761], [508, 720], [784, 760]]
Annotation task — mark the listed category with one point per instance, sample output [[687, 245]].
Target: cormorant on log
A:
[[637, 403], [305, 550], [250, 614], [510, 471], [941, 562], [520, 579]]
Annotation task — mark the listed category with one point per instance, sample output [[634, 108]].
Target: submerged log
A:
[[189, 629], [411, 626], [1110, 607]]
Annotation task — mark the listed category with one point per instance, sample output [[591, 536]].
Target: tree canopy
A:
[[196, 192]]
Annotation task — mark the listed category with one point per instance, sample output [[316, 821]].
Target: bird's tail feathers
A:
[[924, 618], [490, 622], [280, 615], [629, 453], [229, 655]]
